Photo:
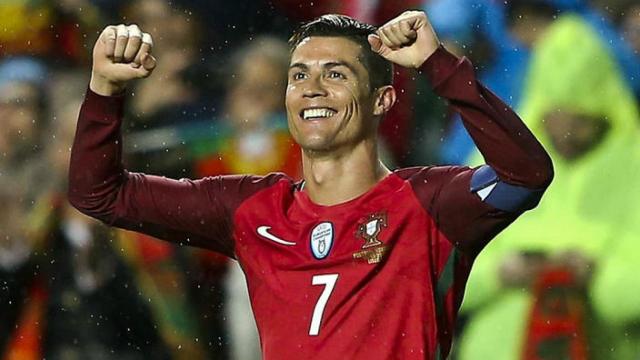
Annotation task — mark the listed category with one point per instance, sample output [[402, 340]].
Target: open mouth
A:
[[317, 113]]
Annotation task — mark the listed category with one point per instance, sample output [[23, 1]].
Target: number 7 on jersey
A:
[[329, 282]]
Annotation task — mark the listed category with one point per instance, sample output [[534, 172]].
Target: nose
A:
[[314, 88]]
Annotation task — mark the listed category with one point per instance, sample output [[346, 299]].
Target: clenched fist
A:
[[408, 40], [121, 53]]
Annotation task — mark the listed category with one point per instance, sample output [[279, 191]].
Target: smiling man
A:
[[355, 261]]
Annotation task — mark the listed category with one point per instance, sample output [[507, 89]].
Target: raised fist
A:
[[121, 53], [407, 40]]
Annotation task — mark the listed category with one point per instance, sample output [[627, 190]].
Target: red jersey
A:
[[377, 277]]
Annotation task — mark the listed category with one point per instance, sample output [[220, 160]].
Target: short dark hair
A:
[[380, 70]]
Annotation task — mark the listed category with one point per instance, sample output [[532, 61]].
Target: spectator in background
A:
[[252, 132], [23, 180], [62, 282], [251, 137], [580, 107], [22, 104], [510, 29], [503, 35], [172, 99], [22, 112]]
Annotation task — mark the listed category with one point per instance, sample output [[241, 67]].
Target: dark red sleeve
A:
[[505, 142], [188, 212], [470, 206], [460, 215]]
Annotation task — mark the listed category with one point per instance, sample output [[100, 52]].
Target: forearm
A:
[[95, 171], [196, 213], [503, 139]]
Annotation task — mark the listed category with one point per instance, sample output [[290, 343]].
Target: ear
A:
[[385, 98]]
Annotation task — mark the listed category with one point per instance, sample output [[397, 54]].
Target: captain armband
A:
[[501, 195]]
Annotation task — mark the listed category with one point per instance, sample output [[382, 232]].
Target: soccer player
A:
[[355, 261]]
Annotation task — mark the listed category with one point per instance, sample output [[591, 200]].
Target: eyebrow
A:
[[298, 65], [327, 65], [340, 63]]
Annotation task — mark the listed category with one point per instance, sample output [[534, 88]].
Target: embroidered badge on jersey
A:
[[373, 249], [321, 240]]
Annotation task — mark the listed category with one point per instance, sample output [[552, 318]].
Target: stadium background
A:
[[561, 284]]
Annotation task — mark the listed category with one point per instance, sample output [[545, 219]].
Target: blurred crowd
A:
[[559, 284]]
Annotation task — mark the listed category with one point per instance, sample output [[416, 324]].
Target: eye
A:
[[298, 76], [336, 75]]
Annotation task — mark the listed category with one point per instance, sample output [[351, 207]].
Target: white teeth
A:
[[317, 113]]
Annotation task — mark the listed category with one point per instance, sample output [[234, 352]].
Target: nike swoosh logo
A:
[[264, 232]]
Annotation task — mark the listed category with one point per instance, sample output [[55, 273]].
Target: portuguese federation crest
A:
[[373, 250]]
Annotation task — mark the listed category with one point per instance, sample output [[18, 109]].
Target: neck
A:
[[339, 176]]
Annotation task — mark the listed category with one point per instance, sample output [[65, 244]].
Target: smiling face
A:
[[330, 104]]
